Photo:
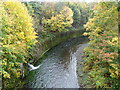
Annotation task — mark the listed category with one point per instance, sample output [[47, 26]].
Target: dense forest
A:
[[24, 25]]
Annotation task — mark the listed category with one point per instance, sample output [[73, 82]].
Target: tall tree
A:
[[17, 37], [102, 60]]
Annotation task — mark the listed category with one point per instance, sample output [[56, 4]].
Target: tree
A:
[[17, 37], [59, 22], [102, 60], [76, 15], [35, 9], [80, 13]]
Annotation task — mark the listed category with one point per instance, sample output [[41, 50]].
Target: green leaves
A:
[[59, 22], [17, 36], [80, 13], [102, 30]]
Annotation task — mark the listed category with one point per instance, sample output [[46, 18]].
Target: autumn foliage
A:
[[102, 54], [17, 37], [59, 22]]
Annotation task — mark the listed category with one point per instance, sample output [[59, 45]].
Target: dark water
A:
[[58, 69]]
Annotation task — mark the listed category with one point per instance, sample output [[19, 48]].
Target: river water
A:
[[58, 69]]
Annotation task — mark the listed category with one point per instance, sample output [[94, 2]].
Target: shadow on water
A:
[[58, 69]]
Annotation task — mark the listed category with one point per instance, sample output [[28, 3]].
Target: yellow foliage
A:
[[102, 30], [60, 21], [17, 36]]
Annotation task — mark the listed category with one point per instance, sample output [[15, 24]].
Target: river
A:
[[58, 69]]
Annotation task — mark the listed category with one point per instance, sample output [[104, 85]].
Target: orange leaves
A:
[[103, 32]]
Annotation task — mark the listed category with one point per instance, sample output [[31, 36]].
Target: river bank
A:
[[47, 43], [81, 75], [58, 68], [40, 50]]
